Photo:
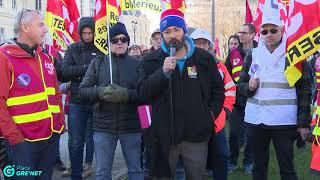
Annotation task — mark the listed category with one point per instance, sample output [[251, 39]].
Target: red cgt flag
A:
[[264, 5], [177, 4], [249, 18], [216, 47], [62, 19], [303, 35]]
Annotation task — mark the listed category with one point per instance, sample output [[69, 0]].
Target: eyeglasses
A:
[[156, 38], [24, 10], [265, 31], [122, 39], [243, 32], [202, 42]]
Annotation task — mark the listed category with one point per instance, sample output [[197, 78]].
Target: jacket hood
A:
[[86, 22]]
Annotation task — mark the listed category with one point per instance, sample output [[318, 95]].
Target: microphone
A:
[[172, 48]]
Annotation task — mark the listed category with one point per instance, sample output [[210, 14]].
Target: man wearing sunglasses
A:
[[238, 137], [115, 109], [274, 110], [31, 115], [186, 93]]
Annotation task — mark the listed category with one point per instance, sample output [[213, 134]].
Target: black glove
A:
[[116, 94], [102, 91]]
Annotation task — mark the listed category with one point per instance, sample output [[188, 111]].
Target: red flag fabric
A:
[[216, 47], [249, 18], [177, 4], [72, 15], [303, 35], [62, 19], [283, 5]]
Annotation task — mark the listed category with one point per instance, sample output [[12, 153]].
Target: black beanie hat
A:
[[118, 29]]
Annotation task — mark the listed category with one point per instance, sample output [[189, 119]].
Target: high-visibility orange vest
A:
[[230, 96], [315, 159], [33, 102], [237, 62]]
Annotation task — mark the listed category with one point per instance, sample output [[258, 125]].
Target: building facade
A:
[[138, 28], [137, 25], [8, 11], [222, 21]]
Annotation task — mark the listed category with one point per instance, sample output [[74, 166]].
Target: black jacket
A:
[[75, 64], [111, 117], [77, 59], [196, 99]]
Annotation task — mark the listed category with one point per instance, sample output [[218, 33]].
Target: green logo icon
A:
[[9, 171]]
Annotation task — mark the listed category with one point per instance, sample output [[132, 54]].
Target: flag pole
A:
[[109, 48]]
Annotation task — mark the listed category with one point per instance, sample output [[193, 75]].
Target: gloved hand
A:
[[102, 91], [116, 94]]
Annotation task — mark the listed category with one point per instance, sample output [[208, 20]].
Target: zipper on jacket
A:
[[117, 105]]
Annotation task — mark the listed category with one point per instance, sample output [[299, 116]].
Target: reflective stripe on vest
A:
[[275, 85], [229, 85], [236, 69], [26, 99], [230, 93], [318, 77], [316, 130], [32, 117], [32, 101], [273, 102]]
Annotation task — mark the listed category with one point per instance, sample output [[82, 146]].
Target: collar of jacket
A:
[[19, 49], [27, 48], [87, 45], [120, 55], [189, 43]]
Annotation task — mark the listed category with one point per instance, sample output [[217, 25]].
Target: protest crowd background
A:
[[188, 89]]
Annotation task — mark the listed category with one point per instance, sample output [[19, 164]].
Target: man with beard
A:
[[75, 64], [186, 93]]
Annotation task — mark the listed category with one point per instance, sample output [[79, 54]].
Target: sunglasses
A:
[[272, 31], [24, 10], [122, 39]]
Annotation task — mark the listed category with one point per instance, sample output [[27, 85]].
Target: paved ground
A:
[[119, 171], [119, 168]]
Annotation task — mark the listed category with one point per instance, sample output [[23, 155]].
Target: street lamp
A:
[[134, 27]]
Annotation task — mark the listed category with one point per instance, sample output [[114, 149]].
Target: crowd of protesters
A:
[[189, 92]]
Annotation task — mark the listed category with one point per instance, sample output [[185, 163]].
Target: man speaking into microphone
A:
[[184, 87]]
